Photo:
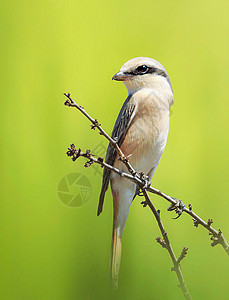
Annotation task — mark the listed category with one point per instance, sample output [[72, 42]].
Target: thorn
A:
[[95, 124], [196, 222], [210, 221]]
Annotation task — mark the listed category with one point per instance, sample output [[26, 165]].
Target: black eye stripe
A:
[[158, 72], [150, 70]]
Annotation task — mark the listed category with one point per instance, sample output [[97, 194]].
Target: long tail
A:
[[121, 205], [116, 249]]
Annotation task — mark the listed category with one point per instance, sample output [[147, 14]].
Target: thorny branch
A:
[[165, 243], [142, 181]]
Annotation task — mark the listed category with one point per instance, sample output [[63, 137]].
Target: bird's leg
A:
[[147, 183], [178, 207], [145, 180]]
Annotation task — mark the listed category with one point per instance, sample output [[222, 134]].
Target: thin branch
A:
[[95, 124], [217, 236], [166, 244], [182, 255], [142, 181], [75, 153]]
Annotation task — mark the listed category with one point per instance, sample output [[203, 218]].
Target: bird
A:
[[141, 131]]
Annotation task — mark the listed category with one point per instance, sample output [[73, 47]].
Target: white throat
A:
[[160, 86]]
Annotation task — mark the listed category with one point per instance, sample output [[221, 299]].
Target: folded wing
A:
[[121, 127]]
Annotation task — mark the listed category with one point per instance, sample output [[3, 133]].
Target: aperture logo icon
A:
[[74, 190]]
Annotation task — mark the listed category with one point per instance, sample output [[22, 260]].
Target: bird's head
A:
[[143, 72]]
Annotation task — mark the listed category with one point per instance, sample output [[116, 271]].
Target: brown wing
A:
[[119, 132]]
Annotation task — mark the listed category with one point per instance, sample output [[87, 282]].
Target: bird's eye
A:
[[142, 69]]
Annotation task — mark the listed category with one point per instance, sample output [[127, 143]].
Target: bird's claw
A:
[[147, 183], [144, 203], [140, 194], [178, 207]]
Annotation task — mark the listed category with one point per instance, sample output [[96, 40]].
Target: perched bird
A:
[[141, 131]]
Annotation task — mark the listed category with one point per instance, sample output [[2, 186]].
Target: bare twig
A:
[[166, 244], [75, 153], [217, 236], [141, 180], [95, 124], [182, 255]]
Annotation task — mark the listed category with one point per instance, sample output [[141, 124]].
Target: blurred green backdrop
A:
[[50, 251]]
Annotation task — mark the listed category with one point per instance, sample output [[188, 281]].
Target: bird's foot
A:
[[140, 193], [144, 203], [178, 207], [147, 183], [145, 180]]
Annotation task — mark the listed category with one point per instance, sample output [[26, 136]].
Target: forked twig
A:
[[141, 180], [217, 236], [166, 244], [95, 124]]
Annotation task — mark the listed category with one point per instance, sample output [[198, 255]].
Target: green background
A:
[[50, 251]]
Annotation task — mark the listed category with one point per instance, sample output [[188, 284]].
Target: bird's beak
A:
[[120, 76]]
